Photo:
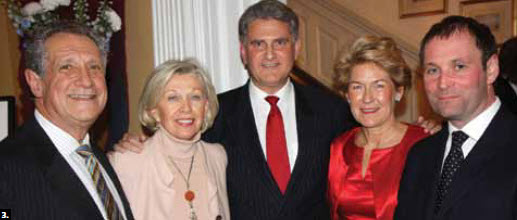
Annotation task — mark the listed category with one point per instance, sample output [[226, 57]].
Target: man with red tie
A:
[[276, 132]]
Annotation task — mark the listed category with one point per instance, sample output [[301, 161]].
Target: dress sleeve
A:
[[337, 168]]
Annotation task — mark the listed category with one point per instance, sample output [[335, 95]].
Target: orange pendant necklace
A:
[[189, 194]]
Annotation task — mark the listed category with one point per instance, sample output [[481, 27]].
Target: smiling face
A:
[[72, 93], [371, 94], [456, 85], [181, 108], [269, 53]]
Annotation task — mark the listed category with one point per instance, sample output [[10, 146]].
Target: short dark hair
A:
[[35, 53], [450, 25], [268, 9], [508, 60]]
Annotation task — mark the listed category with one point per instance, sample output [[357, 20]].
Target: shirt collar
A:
[[282, 94], [62, 140], [477, 126]]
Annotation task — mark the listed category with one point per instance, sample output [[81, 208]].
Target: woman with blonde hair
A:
[[366, 162], [177, 175]]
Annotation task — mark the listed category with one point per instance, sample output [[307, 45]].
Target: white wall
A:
[[204, 29]]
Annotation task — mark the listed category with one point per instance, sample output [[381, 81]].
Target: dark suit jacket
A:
[[484, 187], [252, 191], [506, 93], [37, 183]]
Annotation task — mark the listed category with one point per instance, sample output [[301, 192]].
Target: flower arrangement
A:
[[34, 14]]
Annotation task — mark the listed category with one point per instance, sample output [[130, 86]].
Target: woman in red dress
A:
[[366, 163]]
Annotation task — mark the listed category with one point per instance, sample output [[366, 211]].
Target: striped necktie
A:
[[92, 164]]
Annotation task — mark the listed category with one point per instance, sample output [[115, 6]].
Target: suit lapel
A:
[[68, 188], [113, 177], [305, 122], [65, 185], [248, 139], [437, 154], [475, 165]]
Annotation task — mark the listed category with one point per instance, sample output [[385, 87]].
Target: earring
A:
[[397, 98]]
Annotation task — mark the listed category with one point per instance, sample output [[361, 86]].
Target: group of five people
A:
[[271, 149]]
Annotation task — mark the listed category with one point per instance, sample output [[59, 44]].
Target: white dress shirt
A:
[[286, 105], [474, 129], [66, 145]]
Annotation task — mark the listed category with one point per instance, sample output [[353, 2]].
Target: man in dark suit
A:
[[42, 174], [257, 188], [468, 170], [506, 84]]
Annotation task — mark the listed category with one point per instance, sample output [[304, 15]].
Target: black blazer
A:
[[37, 183], [484, 187], [252, 191], [505, 92]]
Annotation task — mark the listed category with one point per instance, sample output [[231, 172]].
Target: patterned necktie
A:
[[92, 164], [276, 147], [451, 165]]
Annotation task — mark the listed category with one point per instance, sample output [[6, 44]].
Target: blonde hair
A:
[[382, 51], [158, 79]]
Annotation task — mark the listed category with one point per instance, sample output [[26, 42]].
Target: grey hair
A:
[[35, 54], [155, 86], [268, 9]]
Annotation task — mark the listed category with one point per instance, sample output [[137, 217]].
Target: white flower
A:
[[32, 8], [64, 2], [50, 5], [114, 20]]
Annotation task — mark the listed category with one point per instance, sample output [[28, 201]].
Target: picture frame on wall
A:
[[411, 8], [497, 15], [7, 116]]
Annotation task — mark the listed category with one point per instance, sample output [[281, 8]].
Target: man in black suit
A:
[[310, 119], [469, 169], [269, 45], [42, 176], [506, 84]]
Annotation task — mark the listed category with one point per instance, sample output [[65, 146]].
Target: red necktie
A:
[[276, 146]]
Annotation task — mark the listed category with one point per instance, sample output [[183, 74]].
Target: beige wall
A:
[[139, 46], [139, 51], [9, 58], [385, 14]]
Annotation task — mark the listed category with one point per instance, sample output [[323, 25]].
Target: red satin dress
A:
[[353, 197]]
